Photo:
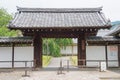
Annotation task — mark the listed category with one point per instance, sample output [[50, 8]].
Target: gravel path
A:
[[76, 74], [66, 76], [55, 62], [11, 75]]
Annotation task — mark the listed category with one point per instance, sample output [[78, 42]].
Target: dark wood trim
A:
[[55, 27], [119, 55], [12, 55], [104, 42], [83, 56], [106, 55], [81, 50], [40, 48], [50, 33], [37, 51]]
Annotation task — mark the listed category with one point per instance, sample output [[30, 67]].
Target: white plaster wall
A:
[[68, 50], [112, 55], [23, 54], [75, 49], [94, 53], [6, 55]]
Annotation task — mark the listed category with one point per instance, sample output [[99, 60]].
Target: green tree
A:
[[63, 42], [5, 17]]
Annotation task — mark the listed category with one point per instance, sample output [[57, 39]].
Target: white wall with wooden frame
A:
[[20, 54], [5, 55], [95, 53]]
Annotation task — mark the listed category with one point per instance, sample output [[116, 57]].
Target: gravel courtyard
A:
[[81, 74]]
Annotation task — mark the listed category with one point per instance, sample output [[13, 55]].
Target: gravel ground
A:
[[73, 75], [51, 73], [11, 75], [81, 74]]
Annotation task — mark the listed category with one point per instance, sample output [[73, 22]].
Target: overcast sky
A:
[[111, 8]]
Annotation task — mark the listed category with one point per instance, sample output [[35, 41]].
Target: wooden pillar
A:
[[119, 55], [38, 50], [12, 55], [81, 50], [72, 50], [106, 55]]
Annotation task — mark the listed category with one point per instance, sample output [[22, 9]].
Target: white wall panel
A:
[[6, 55], [23, 54], [75, 49], [67, 50], [94, 53]]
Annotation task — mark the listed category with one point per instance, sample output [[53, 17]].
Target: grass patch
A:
[[46, 60], [73, 59]]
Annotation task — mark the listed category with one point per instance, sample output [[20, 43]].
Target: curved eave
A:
[[77, 27]]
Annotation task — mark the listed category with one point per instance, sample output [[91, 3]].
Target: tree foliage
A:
[[5, 17], [52, 46], [63, 42]]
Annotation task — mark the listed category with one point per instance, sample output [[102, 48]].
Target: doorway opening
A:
[[55, 50]]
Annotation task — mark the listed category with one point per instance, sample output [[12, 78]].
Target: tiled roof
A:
[[16, 40], [59, 17], [114, 32], [100, 39], [58, 10]]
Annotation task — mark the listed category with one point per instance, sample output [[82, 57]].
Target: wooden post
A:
[[12, 55], [72, 50], [38, 50], [67, 65], [106, 54], [81, 50], [119, 55]]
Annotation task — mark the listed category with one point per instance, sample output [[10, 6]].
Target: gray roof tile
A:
[[59, 17], [16, 40], [105, 38], [114, 32]]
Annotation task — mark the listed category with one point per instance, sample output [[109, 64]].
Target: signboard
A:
[[113, 56], [113, 51]]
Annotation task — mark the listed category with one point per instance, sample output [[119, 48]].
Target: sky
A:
[[111, 8]]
